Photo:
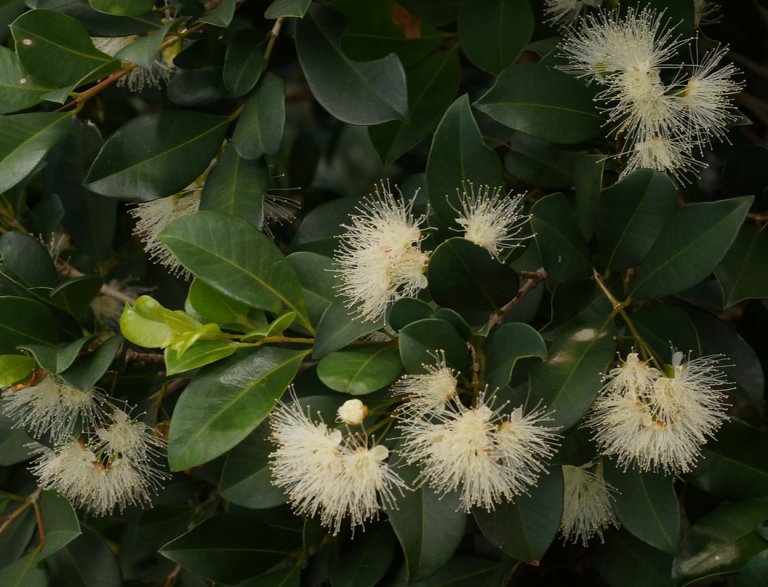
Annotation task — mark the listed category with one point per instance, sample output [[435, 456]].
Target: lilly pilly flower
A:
[[490, 219], [565, 12], [322, 471], [162, 68], [586, 503], [53, 406], [380, 255], [429, 392], [488, 456], [662, 422]]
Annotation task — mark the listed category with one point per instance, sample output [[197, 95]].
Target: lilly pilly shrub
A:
[[364, 292]]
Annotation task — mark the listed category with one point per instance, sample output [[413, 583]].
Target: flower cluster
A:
[[111, 460], [139, 78], [661, 114], [563, 13], [323, 470], [586, 503], [659, 420], [489, 456]]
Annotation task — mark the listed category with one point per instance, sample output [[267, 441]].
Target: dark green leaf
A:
[[420, 341], [631, 216], [540, 163], [689, 247], [494, 32], [237, 186], [247, 478], [755, 571], [743, 272], [429, 526], [576, 303], [87, 561], [735, 464], [9, 11], [561, 245], [14, 368], [339, 326], [200, 353], [317, 278], [431, 12], [200, 82], [18, 89], [664, 327], [59, 522], [647, 506], [283, 8], [625, 561], [13, 542], [55, 360], [545, 103], [243, 64], [320, 230], [89, 218], [156, 155], [24, 141], [505, 345], [88, 369], [14, 443], [465, 277], [235, 258], [357, 93], [227, 548], [75, 295], [24, 321], [260, 128], [568, 381], [164, 522], [24, 573], [56, 49], [143, 51], [361, 369], [721, 542], [588, 176], [363, 562], [27, 261], [460, 571], [226, 401], [458, 155], [283, 578], [222, 14], [99, 24], [407, 310], [525, 529], [432, 85], [122, 7]]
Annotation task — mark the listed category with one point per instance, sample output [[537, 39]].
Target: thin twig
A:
[[495, 140], [31, 500], [144, 357], [534, 278], [170, 388], [273, 34], [68, 271], [40, 529]]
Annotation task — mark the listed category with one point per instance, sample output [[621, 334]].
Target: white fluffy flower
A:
[[322, 471], [671, 156], [380, 255], [53, 406], [486, 456], [139, 78], [662, 424], [490, 219], [705, 12], [129, 438], [352, 412], [586, 503], [428, 392], [152, 217], [565, 12], [278, 209]]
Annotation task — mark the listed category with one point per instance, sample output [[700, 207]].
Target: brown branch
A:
[[170, 388], [759, 218], [273, 34], [507, 145], [534, 278], [40, 529], [68, 271], [144, 357], [31, 500]]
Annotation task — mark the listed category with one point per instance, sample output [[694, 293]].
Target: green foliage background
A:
[[429, 94]]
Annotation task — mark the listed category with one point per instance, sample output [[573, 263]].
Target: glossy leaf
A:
[[14, 443], [143, 51], [735, 466], [227, 548], [60, 522], [87, 561], [545, 103], [588, 176], [464, 276], [244, 63], [339, 326], [407, 310], [361, 369], [260, 128], [495, 32], [215, 306], [201, 353], [624, 561], [27, 261], [539, 163], [721, 542], [561, 245], [235, 258], [755, 571], [18, 89], [429, 526], [318, 281], [458, 155], [419, 341], [144, 323], [432, 13], [356, 93], [14, 368], [226, 401], [505, 345], [55, 360], [364, 561], [320, 230], [647, 506], [222, 15], [14, 541], [24, 321], [247, 477], [631, 216], [568, 381], [200, 81], [24, 573], [664, 327], [237, 186], [284, 8], [743, 272], [432, 85], [56, 49], [577, 303], [525, 529], [164, 522], [156, 155], [689, 247], [88, 369], [25, 139], [122, 7]]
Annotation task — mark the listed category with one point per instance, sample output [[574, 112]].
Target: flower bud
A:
[[353, 412]]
